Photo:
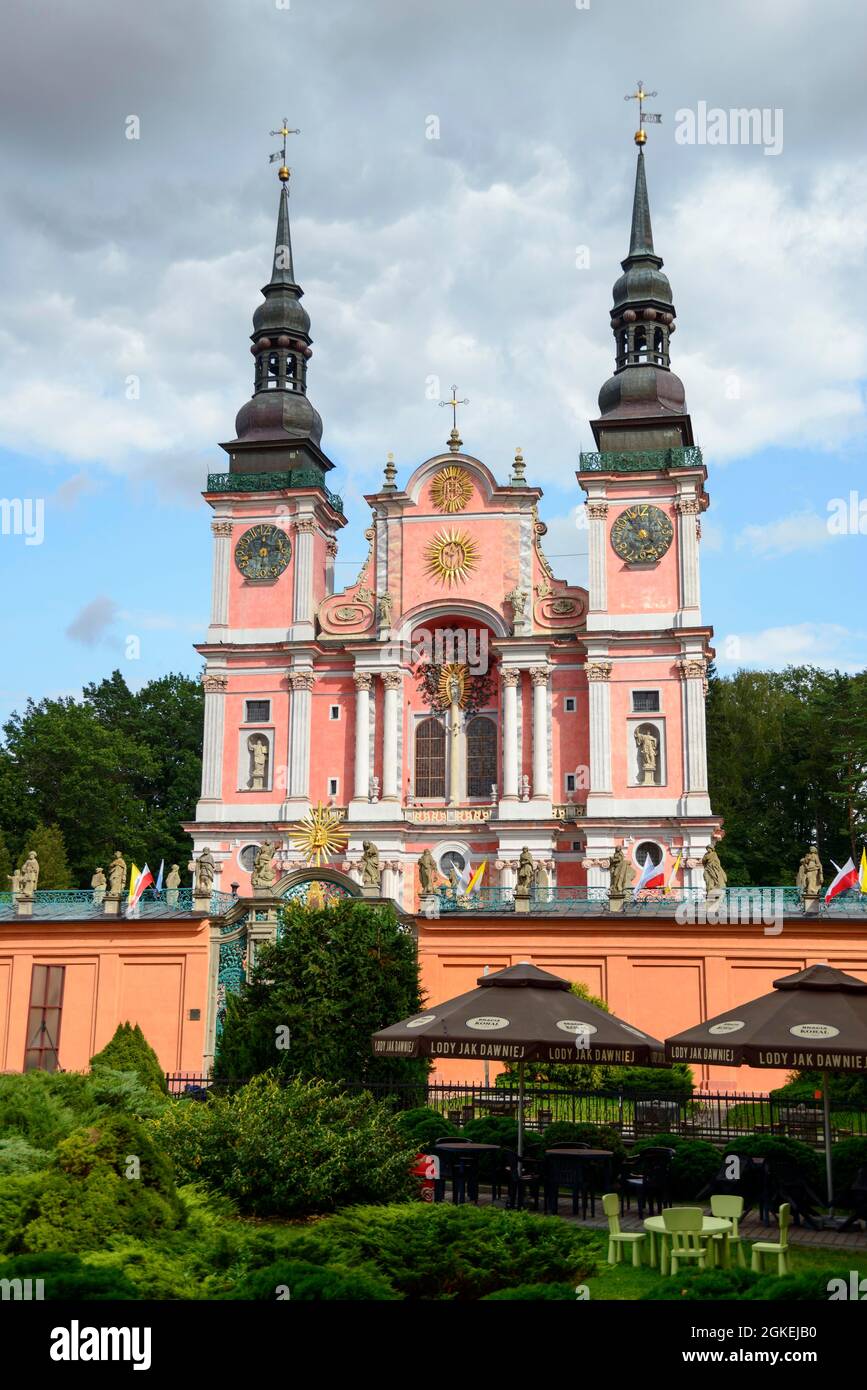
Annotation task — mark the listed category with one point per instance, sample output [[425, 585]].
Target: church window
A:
[[570, 781], [43, 1019], [645, 701], [640, 342], [247, 857], [334, 712], [570, 704], [647, 847], [258, 711], [481, 756], [273, 369], [333, 786], [430, 758]]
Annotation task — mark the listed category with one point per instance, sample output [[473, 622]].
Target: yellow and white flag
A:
[[134, 876], [476, 880], [862, 871], [673, 875]]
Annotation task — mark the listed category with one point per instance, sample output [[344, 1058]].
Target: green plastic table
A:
[[710, 1226]]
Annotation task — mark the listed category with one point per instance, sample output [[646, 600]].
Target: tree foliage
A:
[[315, 996], [787, 764], [116, 769], [48, 844]]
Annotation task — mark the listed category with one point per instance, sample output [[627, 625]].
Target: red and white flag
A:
[[847, 877], [145, 880], [652, 876]]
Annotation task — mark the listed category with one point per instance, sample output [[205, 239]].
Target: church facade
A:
[[459, 696]]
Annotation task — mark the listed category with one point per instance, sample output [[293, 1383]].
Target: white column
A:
[[687, 533], [393, 683], [303, 605], [511, 678], [212, 740], [363, 683], [598, 674], [597, 526], [222, 533], [539, 676], [298, 781], [693, 671]]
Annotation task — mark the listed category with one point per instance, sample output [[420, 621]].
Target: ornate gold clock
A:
[[451, 557], [451, 489], [263, 552], [642, 534]]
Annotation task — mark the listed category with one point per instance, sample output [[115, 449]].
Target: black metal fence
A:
[[718, 1116]]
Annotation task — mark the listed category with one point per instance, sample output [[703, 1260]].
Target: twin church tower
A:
[[458, 696]]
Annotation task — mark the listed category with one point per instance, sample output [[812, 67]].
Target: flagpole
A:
[[829, 1173], [487, 1064]]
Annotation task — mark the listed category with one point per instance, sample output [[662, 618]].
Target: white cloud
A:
[[828, 645], [804, 530]]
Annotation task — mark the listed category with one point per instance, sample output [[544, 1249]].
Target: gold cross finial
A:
[[283, 172], [455, 440], [454, 403], [643, 116]]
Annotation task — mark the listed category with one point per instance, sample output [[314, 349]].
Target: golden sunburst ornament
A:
[[451, 489], [319, 835], [451, 557]]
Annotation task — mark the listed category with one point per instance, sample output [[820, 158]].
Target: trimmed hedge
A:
[[448, 1252], [129, 1050], [597, 1136], [695, 1162], [422, 1127], [67, 1277]]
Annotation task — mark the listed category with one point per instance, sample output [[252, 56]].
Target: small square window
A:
[[645, 701], [570, 704], [258, 711], [334, 712], [577, 846], [333, 786]]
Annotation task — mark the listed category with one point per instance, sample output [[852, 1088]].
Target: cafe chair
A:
[[453, 1167], [730, 1208], [647, 1176], [780, 1247], [617, 1238], [683, 1225], [522, 1177]]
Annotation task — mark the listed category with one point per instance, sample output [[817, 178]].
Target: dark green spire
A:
[[641, 235], [283, 270]]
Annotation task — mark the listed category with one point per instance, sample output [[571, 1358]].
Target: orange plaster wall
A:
[[152, 974]]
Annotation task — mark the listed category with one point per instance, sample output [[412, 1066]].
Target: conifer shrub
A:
[[129, 1050]]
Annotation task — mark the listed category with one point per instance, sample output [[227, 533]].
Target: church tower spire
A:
[[278, 429], [643, 405]]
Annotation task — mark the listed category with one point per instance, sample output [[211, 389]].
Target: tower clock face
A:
[[263, 552], [642, 534]]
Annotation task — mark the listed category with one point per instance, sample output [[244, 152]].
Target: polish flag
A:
[[847, 877], [652, 876], [144, 880]]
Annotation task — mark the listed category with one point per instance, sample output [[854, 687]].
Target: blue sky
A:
[[424, 261]]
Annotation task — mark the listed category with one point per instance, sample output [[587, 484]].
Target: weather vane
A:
[[455, 440], [644, 117], [283, 171]]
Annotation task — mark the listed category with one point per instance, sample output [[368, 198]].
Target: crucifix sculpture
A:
[[283, 172]]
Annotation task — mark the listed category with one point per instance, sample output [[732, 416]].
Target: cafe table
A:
[[467, 1179], [711, 1226]]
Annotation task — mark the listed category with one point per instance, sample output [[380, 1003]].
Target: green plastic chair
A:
[[780, 1247], [617, 1238], [731, 1208], [683, 1225]]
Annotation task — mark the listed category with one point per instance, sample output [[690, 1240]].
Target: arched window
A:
[[430, 758], [481, 756]]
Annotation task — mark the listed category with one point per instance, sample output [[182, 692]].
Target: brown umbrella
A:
[[520, 1014], [814, 1020]]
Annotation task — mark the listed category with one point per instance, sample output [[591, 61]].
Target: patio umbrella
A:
[[813, 1020], [520, 1014]]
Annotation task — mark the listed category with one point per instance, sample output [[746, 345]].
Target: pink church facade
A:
[[459, 696]]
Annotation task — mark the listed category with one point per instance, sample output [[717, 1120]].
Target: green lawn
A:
[[623, 1282]]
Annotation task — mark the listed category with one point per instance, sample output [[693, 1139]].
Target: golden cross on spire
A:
[[454, 403], [455, 440], [643, 116], [283, 171]]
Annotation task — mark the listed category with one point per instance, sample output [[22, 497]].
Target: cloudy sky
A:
[[483, 256]]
